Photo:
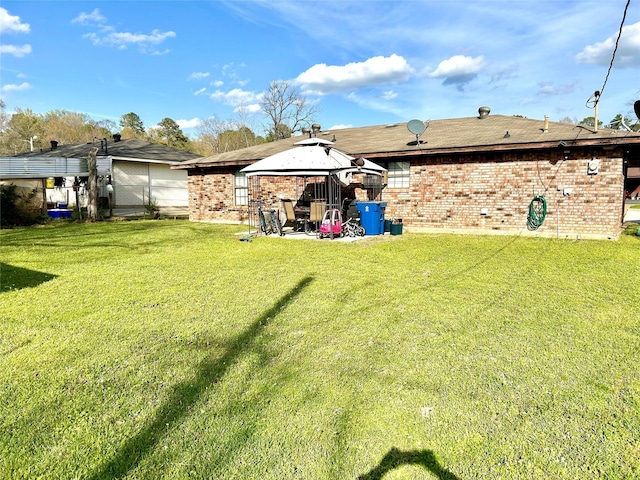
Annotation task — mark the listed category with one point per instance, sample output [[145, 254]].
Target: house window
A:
[[241, 191], [398, 175]]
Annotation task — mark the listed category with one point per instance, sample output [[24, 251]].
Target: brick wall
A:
[[471, 194], [487, 193], [211, 198]]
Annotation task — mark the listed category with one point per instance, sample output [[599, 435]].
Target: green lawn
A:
[[168, 349]]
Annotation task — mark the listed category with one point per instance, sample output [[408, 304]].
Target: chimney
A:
[[116, 137], [54, 144], [546, 124], [484, 112]]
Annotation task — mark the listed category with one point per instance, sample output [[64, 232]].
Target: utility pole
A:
[[92, 207]]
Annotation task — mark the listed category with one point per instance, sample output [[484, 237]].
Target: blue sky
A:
[[361, 62]]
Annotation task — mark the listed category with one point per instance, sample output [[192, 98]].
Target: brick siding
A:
[[474, 193]]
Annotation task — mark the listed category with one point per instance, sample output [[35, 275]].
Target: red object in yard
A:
[[331, 223]]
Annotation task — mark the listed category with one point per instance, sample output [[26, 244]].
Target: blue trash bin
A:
[[372, 217]]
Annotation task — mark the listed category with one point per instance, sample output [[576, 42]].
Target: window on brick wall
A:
[[398, 175], [241, 190]]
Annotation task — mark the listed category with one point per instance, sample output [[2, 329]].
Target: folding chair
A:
[[318, 207], [292, 221]]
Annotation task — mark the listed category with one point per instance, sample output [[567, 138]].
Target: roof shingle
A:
[[495, 132]]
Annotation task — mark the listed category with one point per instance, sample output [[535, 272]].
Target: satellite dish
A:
[[636, 108], [417, 127]]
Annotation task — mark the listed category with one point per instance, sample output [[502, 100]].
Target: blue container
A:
[[372, 217], [59, 213]]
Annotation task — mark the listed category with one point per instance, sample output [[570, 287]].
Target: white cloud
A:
[[201, 91], [230, 68], [193, 123], [15, 50], [119, 39], [198, 75], [251, 108], [389, 95], [12, 23], [549, 89], [458, 65], [339, 127], [458, 70], [229, 71], [373, 103], [93, 18], [235, 97], [627, 55], [322, 79], [15, 88], [106, 35]]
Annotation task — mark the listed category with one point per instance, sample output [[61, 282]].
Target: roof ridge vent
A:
[[484, 112]]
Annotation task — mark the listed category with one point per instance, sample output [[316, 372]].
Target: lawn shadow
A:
[[484, 260], [186, 394], [17, 278], [396, 458]]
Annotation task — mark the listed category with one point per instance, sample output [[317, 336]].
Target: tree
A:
[[69, 127], [132, 125], [209, 131], [25, 126], [216, 136], [172, 134], [284, 104], [280, 131], [246, 124], [622, 123], [590, 122], [92, 207], [236, 139], [6, 140], [108, 127], [4, 118], [569, 120]]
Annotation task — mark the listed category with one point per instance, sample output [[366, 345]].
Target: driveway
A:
[[632, 214]]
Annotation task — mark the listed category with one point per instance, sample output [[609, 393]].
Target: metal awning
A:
[[42, 167]]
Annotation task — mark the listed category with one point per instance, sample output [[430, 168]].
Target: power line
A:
[[615, 49]]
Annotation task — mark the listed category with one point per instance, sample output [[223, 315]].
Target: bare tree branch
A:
[[284, 105]]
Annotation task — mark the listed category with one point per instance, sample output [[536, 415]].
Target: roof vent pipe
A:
[[54, 144], [546, 124], [484, 112]]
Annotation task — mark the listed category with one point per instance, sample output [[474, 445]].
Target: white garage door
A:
[[168, 187], [131, 184], [135, 182]]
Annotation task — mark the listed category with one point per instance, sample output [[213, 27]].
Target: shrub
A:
[[16, 207]]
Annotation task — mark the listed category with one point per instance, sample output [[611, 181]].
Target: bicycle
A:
[[276, 225], [269, 221]]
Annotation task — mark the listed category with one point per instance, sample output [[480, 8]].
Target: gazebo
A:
[[323, 170]]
